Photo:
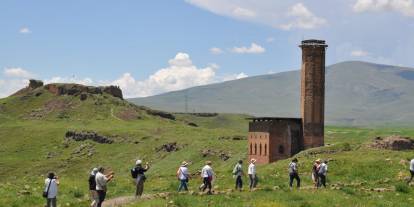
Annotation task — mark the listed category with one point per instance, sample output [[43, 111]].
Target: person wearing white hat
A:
[[251, 171], [139, 176], [183, 176], [92, 187]]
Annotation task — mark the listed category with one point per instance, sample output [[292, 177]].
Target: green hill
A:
[[36, 136], [357, 94]]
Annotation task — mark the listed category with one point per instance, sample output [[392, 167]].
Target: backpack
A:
[[236, 170], [134, 173]]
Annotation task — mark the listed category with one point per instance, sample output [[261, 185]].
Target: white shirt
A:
[[293, 167], [101, 181], [182, 173], [53, 189], [412, 165], [238, 170], [251, 170], [207, 171]]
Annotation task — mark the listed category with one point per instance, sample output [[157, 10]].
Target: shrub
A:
[[402, 187]]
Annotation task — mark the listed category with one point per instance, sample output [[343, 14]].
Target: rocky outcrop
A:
[[35, 83], [113, 90], [394, 142], [77, 89], [169, 147], [82, 136], [161, 114], [221, 154]]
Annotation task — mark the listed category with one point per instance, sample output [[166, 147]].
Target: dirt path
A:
[[115, 117]]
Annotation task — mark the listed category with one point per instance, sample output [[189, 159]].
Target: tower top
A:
[[314, 42]]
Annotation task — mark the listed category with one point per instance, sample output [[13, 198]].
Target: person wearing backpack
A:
[[138, 174], [183, 176], [92, 187], [238, 173], [323, 170], [293, 173], [51, 189]]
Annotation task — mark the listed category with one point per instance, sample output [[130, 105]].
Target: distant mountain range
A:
[[357, 94]]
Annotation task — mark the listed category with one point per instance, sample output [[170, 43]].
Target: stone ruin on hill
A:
[[73, 89], [93, 136], [394, 142]]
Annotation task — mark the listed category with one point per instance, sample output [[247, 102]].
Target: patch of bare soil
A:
[[128, 114], [394, 142]]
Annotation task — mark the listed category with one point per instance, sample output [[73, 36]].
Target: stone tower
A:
[[313, 92]]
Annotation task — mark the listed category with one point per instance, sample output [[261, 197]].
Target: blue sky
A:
[[151, 47]]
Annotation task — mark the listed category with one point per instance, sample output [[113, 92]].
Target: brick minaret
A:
[[313, 92]]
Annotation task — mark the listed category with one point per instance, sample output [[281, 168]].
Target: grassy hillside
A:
[[32, 137], [357, 93]]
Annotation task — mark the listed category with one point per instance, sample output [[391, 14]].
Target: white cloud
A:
[[17, 73], [243, 12], [405, 7], [10, 86], [181, 73], [234, 77], [25, 30], [270, 39], [216, 51], [269, 12], [359, 53], [302, 18], [253, 49]]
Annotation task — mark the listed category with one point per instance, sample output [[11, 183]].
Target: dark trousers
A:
[[51, 202], [140, 185], [183, 185], [253, 181], [321, 180], [412, 176], [207, 184], [239, 182], [101, 197], [293, 176]]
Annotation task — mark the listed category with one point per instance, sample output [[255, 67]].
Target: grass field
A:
[[32, 140]]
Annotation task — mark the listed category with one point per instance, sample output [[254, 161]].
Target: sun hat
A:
[[184, 163], [138, 162]]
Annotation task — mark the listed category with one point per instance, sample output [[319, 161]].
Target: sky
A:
[[152, 47]]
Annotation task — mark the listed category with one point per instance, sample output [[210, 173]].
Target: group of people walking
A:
[[99, 178]]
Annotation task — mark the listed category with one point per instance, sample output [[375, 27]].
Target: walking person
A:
[[238, 173], [251, 171], [315, 170], [139, 173], [411, 171], [293, 173], [207, 176], [92, 187], [323, 170], [101, 181], [183, 176], [51, 189]]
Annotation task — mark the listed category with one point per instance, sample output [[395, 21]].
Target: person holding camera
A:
[[101, 181], [51, 189], [138, 173]]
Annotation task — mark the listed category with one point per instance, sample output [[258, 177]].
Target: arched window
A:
[[251, 148], [255, 149], [260, 149], [265, 149], [281, 149]]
